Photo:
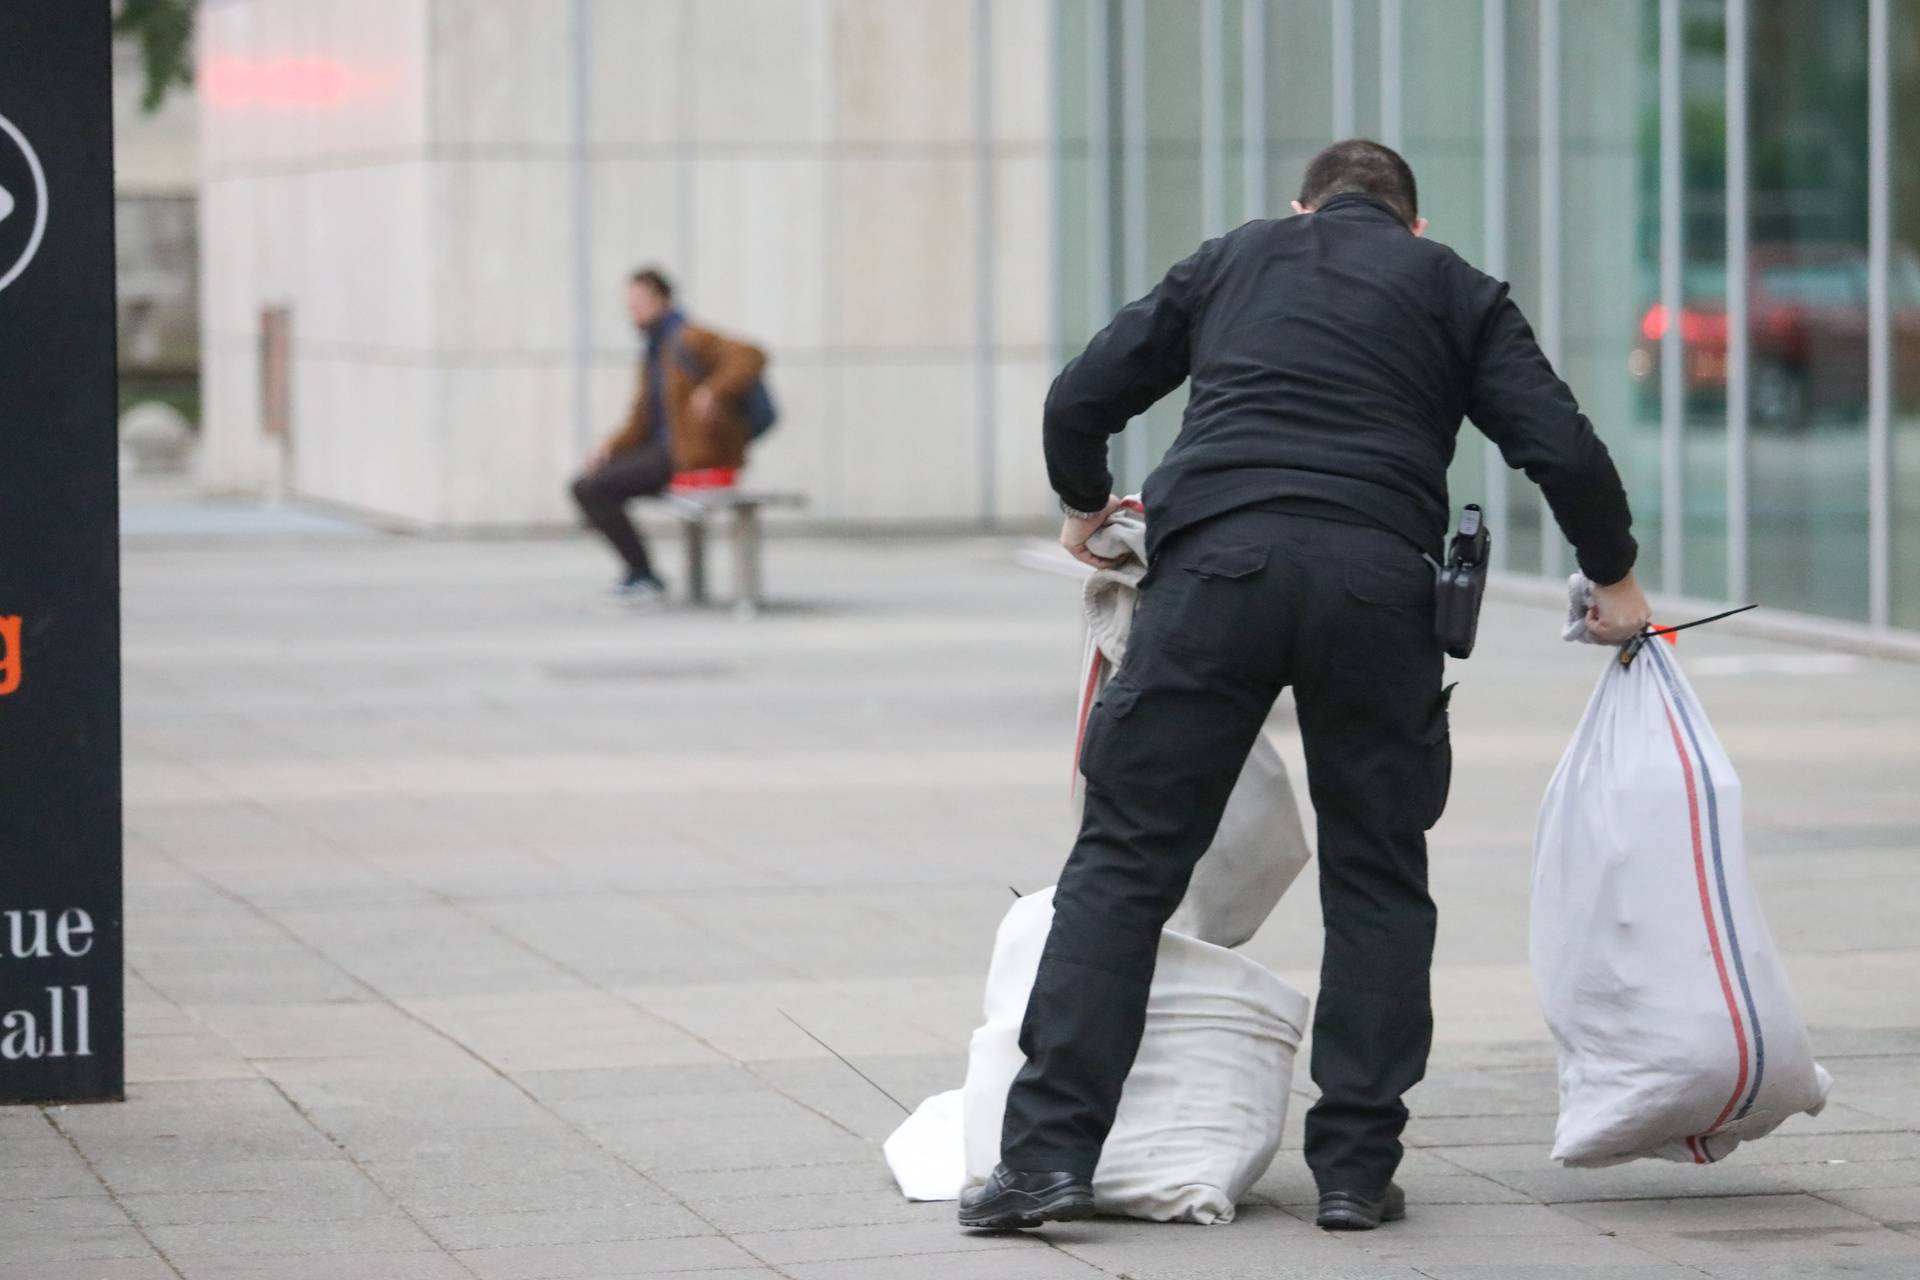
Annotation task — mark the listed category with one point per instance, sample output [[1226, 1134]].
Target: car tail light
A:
[[1695, 326], [1704, 328]]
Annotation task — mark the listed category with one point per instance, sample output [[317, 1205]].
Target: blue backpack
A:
[[756, 402]]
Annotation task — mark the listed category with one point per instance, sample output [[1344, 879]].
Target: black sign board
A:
[[60, 943]]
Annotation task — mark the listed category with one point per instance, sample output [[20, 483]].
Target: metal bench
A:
[[692, 510]]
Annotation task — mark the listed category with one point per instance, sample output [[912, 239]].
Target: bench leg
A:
[[696, 535], [746, 561]]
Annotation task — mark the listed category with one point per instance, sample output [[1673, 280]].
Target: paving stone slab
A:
[[387, 1233], [1533, 1271], [556, 1157], [1852, 1269], [670, 1145], [1258, 1236], [57, 1213], [1824, 1245], [1573, 1252], [831, 1209], [862, 1176], [334, 1200], [1245, 1257], [130, 1175], [886, 1240], [1032, 1263], [1716, 1213], [633, 1258], [151, 1267], [645, 1221], [334, 1266], [1836, 1175], [1652, 1179], [1896, 1207], [592, 1084], [1272, 1267], [559, 1029], [55, 1242]]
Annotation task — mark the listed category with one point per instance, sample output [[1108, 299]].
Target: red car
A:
[[1808, 310]]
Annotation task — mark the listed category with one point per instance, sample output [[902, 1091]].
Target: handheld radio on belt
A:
[[1460, 584]]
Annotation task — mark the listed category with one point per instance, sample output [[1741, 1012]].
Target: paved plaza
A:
[[476, 928]]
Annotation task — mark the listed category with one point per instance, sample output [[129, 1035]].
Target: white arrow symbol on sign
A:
[[6, 203]]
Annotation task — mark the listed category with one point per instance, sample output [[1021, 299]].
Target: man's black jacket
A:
[[1333, 356]]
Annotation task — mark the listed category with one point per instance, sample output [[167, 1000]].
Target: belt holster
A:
[[1461, 583]]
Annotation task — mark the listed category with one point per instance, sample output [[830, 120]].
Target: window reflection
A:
[[1808, 272]]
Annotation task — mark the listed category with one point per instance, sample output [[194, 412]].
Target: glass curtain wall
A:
[[1607, 70], [1163, 39], [1903, 57], [1808, 318], [1520, 501], [1299, 94], [1580, 149], [1442, 135], [1085, 169], [1702, 251]]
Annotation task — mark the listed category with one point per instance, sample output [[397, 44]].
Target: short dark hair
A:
[[1361, 165], [654, 279]]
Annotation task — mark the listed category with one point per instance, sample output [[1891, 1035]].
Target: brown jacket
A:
[[717, 439]]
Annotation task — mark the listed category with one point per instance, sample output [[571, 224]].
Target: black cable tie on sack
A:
[[1633, 647]]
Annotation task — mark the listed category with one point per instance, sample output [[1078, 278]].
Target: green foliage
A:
[[164, 31]]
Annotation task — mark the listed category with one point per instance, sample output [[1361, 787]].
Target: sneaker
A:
[[641, 591]]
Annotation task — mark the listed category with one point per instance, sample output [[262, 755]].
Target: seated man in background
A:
[[686, 422]]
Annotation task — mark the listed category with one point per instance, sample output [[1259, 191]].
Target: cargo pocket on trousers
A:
[[1436, 741], [1096, 749], [1399, 584], [1233, 560]]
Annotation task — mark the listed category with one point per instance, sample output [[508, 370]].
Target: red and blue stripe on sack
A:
[[1747, 1083]]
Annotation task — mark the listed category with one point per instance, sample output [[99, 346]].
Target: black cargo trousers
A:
[[1232, 611]]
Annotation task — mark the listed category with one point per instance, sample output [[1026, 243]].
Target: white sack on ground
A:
[[1202, 1112], [927, 1154], [1677, 1033], [1261, 846]]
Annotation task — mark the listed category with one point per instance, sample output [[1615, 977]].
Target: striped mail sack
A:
[[1678, 1036]]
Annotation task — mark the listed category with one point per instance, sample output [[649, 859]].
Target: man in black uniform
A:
[[1332, 357]]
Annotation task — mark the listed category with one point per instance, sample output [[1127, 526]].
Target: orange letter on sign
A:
[[9, 655]]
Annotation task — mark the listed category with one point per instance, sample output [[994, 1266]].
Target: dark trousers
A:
[[603, 494], [1232, 611]]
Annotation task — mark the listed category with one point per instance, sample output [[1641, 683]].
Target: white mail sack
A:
[[1202, 1112], [1203, 1109], [1677, 1034]]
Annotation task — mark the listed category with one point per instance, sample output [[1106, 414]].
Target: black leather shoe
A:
[[1346, 1211], [1015, 1200]]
